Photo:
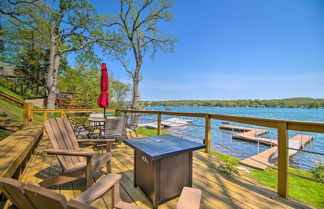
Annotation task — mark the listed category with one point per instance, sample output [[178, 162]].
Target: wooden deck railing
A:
[[282, 126], [64, 112], [27, 107]]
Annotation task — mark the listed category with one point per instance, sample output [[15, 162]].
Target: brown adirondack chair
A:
[[28, 196], [75, 163]]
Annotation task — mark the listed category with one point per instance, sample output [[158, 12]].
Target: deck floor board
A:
[[219, 190]]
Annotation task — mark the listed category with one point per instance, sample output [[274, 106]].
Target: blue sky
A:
[[236, 49]]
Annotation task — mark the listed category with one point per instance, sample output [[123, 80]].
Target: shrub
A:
[[318, 170]]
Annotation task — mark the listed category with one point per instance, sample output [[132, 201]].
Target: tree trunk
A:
[[54, 62], [135, 95]]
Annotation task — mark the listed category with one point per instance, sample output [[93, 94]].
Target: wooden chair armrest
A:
[[99, 189], [189, 198], [95, 141], [71, 152], [74, 204], [125, 205]]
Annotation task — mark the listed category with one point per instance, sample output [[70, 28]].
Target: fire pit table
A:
[[163, 165]]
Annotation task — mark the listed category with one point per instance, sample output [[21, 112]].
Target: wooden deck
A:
[[219, 190]]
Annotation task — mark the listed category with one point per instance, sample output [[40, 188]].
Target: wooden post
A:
[[28, 114], [207, 134], [283, 160], [63, 114], [159, 124], [45, 116], [89, 177]]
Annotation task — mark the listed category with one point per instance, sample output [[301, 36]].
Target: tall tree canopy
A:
[[73, 25], [138, 24]]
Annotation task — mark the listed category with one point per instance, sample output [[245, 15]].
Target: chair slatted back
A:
[[115, 125], [44, 198], [13, 190], [62, 137]]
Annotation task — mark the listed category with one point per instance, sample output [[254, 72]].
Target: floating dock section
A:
[[270, 156], [250, 134]]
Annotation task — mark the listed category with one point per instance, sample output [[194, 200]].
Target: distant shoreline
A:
[[299, 102], [239, 107]]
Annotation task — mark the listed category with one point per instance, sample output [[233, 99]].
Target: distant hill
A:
[[298, 102]]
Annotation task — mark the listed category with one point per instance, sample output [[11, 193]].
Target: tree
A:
[[120, 92], [138, 22], [18, 10], [25, 48], [82, 80], [72, 25], [31, 69]]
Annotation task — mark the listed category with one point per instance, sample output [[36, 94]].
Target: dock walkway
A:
[[268, 157], [250, 134], [219, 190]]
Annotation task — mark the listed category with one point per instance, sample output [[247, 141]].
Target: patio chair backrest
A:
[[44, 198], [14, 191], [62, 137], [133, 120], [115, 125]]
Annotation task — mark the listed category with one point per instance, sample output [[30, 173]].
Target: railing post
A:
[[28, 114], [45, 116], [63, 114], [207, 133], [159, 124], [283, 160]]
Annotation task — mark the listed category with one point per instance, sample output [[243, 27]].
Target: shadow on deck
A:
[[219, 190]]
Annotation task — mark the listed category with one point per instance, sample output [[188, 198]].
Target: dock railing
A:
[[282, 126]]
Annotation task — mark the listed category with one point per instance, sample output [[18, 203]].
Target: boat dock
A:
[[268, 157], [250, 134]]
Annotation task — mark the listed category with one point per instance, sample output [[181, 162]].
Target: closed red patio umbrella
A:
[[103, 99]]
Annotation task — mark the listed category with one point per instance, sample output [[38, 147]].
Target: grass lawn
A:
[[149, 132], [7, 91], [307, 191], [15, 113]]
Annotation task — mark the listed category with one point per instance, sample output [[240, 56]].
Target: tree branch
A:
[[84, 45], [124, 64], [153, 16], [146, 4]]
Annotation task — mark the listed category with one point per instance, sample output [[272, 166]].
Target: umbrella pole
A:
[[104, 113]]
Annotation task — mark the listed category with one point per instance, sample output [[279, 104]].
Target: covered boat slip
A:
[[219, 190]]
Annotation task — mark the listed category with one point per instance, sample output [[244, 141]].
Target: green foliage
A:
[[274, 103], [227, 158], [149, 132], [85, 82], [318, 170], [120, 92], [6, 90], [227, 168], [304, 190], [138, 29]]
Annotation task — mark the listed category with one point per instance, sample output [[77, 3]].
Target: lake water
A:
[[222, 141]]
